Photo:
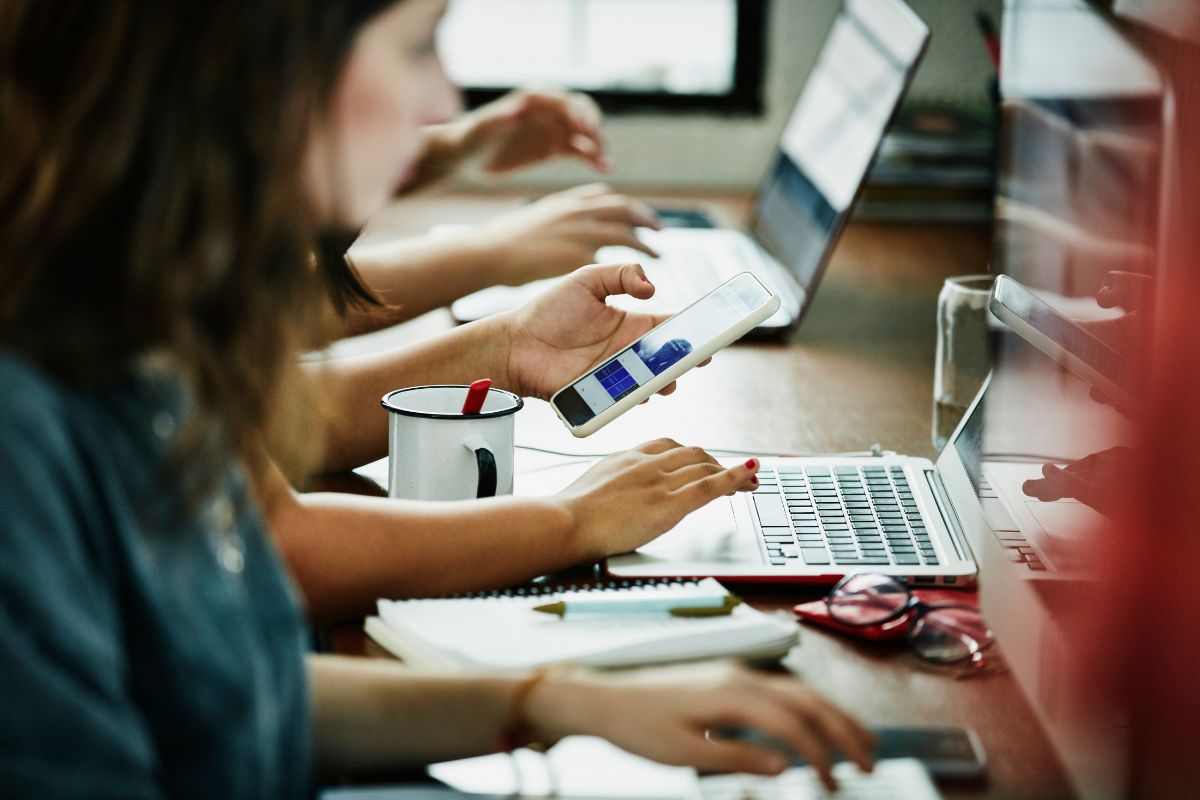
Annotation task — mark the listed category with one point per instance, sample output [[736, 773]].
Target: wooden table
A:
[[859, 371]]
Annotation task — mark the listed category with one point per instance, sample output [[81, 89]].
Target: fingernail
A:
[[752, 464], [754, 480], [644, 278]]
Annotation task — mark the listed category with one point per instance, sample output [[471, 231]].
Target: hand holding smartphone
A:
[[716, 320], [1063, 340]]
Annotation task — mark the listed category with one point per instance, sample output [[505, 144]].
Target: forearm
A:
[[443, 149], [349, 389], [347, 551], [418, 274], [372, 716]]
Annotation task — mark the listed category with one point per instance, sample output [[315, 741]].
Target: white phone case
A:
[[1008, 294], [728, 337]]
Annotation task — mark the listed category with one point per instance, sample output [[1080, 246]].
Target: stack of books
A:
[[937, 164]]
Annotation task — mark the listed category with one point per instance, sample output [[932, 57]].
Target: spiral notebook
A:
[[502, 630]]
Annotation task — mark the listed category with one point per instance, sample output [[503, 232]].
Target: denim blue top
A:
[[149, 647]]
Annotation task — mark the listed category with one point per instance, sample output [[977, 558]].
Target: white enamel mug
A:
[[435, 452]]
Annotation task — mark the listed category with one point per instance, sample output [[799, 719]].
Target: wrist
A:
[[502, 335], [487, 254], [443, 149], [563, 704], [583, 550]]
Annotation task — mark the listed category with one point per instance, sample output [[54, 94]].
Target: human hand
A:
[[627, 499], [569, 329], [1129, 290], [528, 126], [675, 715], [562, 232], [1125, 334], [1091, 480]]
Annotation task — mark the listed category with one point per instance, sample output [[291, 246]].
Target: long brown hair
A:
[[150, 200]]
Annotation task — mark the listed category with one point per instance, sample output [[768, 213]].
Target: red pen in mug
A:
[[477, 392]]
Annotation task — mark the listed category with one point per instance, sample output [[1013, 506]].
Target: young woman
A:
[[166, 168], [346, 551]]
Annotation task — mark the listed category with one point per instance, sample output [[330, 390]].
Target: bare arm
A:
[[532, 351], [414, 275], [554, 235], [349, 389], [346, 551], [372, 716]]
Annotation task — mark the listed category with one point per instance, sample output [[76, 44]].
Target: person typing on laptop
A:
[[547, 238], [155, 645], [411, 549], [407, 549]]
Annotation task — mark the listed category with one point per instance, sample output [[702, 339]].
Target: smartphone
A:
[[716, 320], [948, 753], [684, 218], [1062, 339]]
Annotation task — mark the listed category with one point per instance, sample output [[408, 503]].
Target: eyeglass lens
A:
[[950, 633], [944, 634], [867, 599]]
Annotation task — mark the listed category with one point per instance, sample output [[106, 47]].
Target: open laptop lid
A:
[[984, 467], [849, 99]]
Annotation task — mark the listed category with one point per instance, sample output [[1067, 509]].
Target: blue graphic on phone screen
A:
[[615, 379], [670, 352]]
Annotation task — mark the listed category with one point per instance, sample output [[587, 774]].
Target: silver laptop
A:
[[824, 152], [816, 519]]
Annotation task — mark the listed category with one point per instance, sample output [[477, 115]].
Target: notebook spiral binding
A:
[[537, 590]]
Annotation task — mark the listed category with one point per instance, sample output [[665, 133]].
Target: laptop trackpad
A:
[[709, 535]]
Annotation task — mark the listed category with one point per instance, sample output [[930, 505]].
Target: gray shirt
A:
[[150, 647]]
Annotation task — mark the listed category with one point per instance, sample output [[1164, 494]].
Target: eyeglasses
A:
[[944, 633]]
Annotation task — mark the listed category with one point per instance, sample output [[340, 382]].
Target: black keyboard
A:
[[841, 515]]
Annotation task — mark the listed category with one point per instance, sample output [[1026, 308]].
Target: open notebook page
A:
[[506, 632]]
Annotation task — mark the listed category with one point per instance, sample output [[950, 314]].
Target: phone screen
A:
[[1107, 362], [635, 366]]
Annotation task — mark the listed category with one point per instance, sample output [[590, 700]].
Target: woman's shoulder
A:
[[64, 440], [34, 409], [35, 403]]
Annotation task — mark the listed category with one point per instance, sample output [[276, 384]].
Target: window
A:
[[628, 54]]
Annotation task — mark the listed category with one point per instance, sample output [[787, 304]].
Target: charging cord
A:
[[876, 451]]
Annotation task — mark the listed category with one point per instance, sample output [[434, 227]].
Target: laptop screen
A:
[[834, 131]]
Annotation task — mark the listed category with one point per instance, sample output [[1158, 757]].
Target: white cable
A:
[[876, 451]]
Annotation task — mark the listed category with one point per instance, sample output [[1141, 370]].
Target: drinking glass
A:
[[963, 353]]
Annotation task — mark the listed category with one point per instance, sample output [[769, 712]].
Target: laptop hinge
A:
[[949, 515]]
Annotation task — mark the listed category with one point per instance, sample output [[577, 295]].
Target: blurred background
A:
[[690, 82], [1064, 133]]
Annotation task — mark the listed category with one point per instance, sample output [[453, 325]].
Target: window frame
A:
[[744, 98]]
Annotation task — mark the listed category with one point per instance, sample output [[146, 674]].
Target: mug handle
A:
[[485, 460]]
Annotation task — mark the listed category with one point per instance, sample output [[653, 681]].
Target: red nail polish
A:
[[647, 280], [751, 464]]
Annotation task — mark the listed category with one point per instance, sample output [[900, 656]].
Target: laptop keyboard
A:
[[841, 516]]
